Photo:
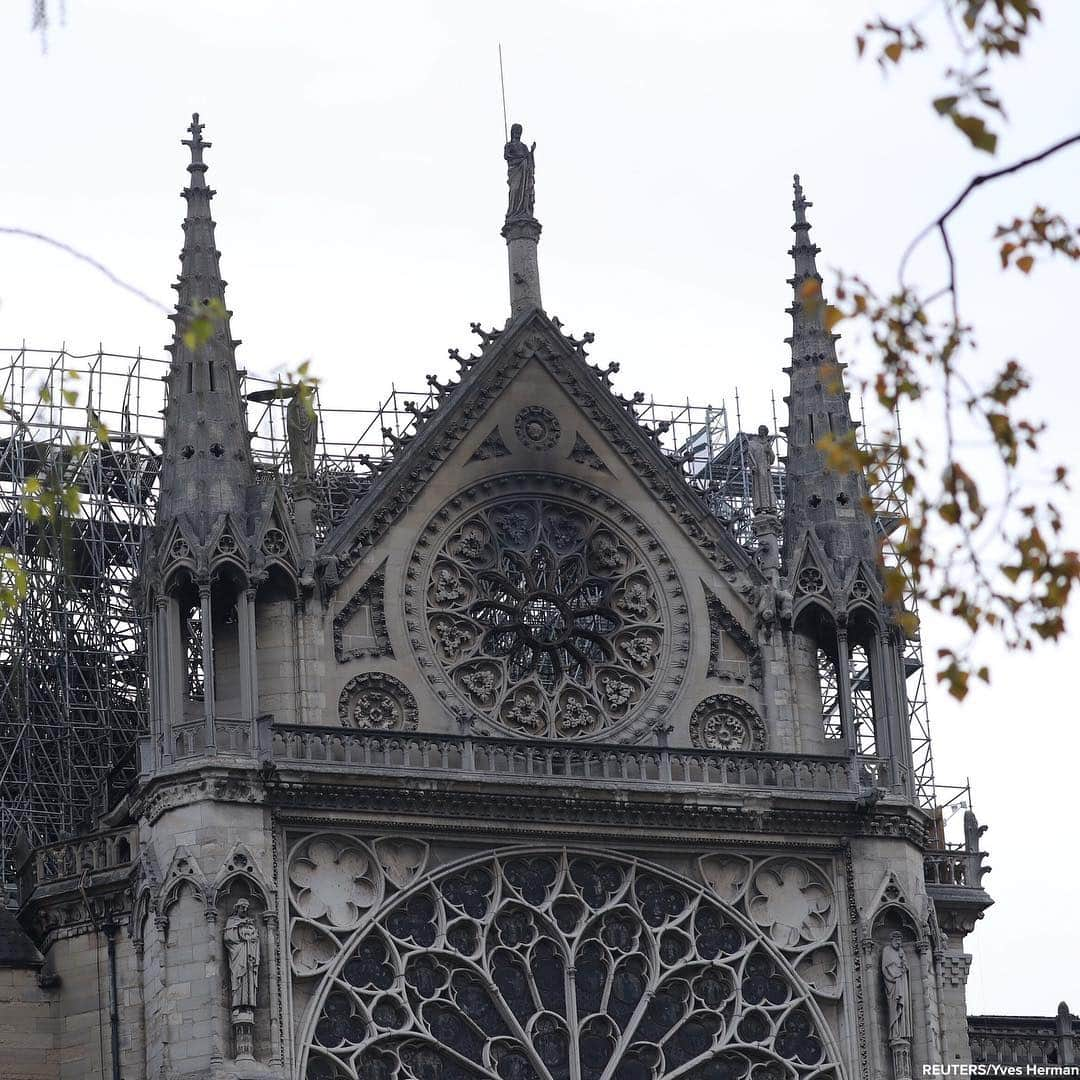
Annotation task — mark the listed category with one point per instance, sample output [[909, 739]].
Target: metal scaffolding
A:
[[73, 680]]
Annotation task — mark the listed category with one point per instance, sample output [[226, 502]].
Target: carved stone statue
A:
[[894, 974], [520, 175], [302, 429], [760, 452], [242, 947]]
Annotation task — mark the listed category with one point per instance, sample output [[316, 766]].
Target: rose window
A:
[[552, 965], [545, 618]]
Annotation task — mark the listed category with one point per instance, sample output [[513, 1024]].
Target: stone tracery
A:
[[546, 618], [546, 965]]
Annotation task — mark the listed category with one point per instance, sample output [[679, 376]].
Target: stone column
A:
[[881, 682], [160, 701], [877, 1047], [206, 616], [902, 737], [930, 1001], [161, 1011], [300, 661], [219, 1043], [847, 719], [270, 921], [138, 1038], [249, 663], [522, 236], [172, 668]]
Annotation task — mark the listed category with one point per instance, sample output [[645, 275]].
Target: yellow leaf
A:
[[894, 51], [1025, 263]]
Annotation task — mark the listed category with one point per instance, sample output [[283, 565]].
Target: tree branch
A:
[[939, 222], [13, 231]]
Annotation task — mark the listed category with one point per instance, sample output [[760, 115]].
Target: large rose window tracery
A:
[[548, 966], [545, 617]]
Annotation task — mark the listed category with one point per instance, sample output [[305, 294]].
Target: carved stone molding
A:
[[493, 446], [461, 811], [395, 490], [370, 595], [584, 454], [723, 621]]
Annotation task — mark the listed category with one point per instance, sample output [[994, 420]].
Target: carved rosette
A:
[[537, 428], [374, 699], [725, 722], [548, 612]]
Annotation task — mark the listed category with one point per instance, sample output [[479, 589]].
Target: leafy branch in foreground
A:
[[51, 501], [988, 551], [984, 32]]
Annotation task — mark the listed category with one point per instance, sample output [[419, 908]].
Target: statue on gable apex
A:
[[520, 175]]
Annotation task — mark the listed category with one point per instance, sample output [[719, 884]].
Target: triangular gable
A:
[[810, 578], [863, 586], [530, 337]]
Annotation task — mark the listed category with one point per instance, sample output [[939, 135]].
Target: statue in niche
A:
[[759, 450], [894, 974], [520, 175], [302, 430], [242, 947]]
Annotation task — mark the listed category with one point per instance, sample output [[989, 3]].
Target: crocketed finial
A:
[[196, 143], [801, 203]]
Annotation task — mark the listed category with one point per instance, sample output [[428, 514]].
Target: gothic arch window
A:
[[546, 965], [547, 613], [851, 657]]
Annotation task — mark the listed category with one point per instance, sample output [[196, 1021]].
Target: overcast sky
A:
[[357, 156]]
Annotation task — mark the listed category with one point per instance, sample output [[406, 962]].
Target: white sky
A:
[[357, 153]]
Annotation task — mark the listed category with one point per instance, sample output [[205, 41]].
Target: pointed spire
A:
[[206, 459], [200, 275], [521, 230], [818, 406]]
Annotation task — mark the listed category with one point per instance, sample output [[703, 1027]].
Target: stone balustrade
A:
[[195, 738], [955, 865], [1025, 1040], [68, 859], [497, 759]]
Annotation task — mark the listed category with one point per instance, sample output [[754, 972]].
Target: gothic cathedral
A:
[[521, 769]]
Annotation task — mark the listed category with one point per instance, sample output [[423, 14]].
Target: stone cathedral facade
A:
[[518, 773]]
